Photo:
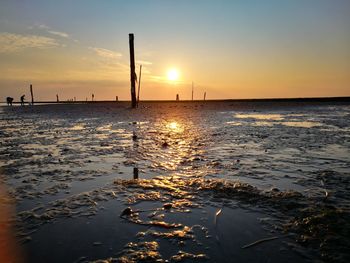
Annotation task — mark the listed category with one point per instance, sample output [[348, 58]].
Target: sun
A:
[[173, 74]]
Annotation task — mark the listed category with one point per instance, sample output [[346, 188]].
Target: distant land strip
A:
[[315, 99]]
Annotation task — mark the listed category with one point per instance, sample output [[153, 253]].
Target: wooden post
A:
[[138, 90], [116, 98], [192, 90], [57, 99], [92, 97], [205, 94], [136, 173], [31, 93], [177, 97], [132, 70]]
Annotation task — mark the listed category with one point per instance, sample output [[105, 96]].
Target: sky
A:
[[229, 49]]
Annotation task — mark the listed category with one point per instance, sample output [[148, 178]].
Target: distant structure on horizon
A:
[[192, 90]]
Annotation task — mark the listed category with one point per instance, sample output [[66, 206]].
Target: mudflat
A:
[[250, 181]]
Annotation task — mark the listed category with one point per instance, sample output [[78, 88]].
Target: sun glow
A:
[[173, 75]]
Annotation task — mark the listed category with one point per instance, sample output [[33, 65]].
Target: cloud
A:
[[105, 53], [58, 33], [16, 42], [144, 62], [51, 31], [42, 26]]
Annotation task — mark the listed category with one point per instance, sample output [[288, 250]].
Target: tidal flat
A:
[[217, 182]]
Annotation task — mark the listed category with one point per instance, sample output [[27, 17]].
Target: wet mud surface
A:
[[216, 182]]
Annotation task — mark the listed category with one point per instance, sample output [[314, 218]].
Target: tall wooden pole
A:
[[31, 93], [205, 94], [132, 70], [138, 90]]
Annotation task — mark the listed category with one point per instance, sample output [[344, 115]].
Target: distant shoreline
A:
[[316, 99]]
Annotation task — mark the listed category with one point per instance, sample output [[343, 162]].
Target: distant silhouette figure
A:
[[9, 101], [22, 100], [92, 96]]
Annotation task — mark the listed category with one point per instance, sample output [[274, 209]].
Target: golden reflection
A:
[[274, 117], [175, 127], [178, 146], [77, 127], [302, 124]]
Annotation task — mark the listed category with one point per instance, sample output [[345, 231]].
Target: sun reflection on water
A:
[[174, 127], [275, 117], [170, 145]]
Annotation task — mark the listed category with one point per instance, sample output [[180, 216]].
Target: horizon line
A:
[[337, 98]]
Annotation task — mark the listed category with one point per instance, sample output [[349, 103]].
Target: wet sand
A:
[[214, 177]]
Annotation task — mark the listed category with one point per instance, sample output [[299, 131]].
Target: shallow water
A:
[[69, 169]]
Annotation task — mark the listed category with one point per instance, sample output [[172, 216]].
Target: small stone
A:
[[27, 239], [97, 243], [167, 206], [182, 243], [127, 212]]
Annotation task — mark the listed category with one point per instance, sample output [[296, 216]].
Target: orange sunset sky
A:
[[230, 49]]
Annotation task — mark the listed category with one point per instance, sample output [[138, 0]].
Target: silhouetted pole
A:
[[31, 93], [205, 94], [177, 97], [116, 98], [138, 90], [136, 173], [92, 97], [132, 70], [192, 90], [57, 99]]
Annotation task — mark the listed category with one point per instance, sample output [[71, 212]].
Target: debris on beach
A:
[[181, 256], [184, 233], [136, 252], [259, 241]]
